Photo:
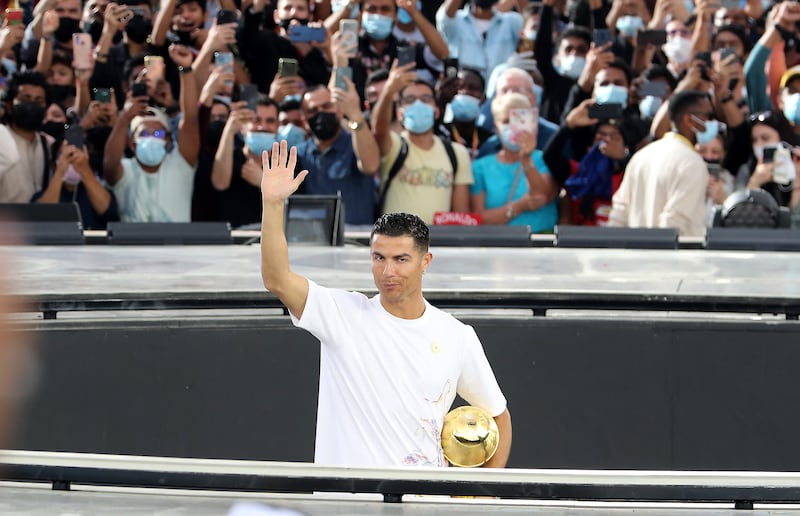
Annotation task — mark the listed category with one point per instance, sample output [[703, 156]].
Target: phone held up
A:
[[287, 67]]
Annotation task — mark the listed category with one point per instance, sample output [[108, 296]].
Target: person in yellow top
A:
[[664, 185]]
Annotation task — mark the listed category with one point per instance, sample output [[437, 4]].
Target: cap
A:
[[789, 74], [153, 115]]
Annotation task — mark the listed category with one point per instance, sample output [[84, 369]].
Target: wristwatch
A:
[[355, 125], [510, 211]]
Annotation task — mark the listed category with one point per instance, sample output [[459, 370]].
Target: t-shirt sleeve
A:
[[477, 383], [327, 313]]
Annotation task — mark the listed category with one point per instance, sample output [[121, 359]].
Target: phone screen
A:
[[249, 94], [343, 71], [102, 94], [349, 30], [225, 16], [406, 55], [769, 155]]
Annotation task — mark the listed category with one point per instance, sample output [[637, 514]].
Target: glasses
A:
[[407, 100], [158, 133], [684, 33]]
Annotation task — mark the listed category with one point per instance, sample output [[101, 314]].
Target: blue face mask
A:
[[689, 4], [611, 94], [404, 17], [530, 35], [791, 108], [505, 139], [292, 134], [648, 106], [258, 141], [538, 90], [150, 150], [710, 132], [10, 65], [418, 117], [465, 108], [377, 26], [338, 5], [628, 25], [298, 98]]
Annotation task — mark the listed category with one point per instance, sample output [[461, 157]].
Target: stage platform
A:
[[110, 277]]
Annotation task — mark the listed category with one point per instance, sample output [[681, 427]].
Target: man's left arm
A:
[[500, 457]]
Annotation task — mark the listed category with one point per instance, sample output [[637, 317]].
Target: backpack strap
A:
[[47, 151], [451, 154], [396, 166]]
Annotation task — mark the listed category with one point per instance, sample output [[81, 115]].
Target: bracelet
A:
[[184, 69], [101, 55]]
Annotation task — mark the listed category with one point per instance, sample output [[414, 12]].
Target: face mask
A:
[[61, 92], [571, 66], [150, 150], [338, 5], [689, 4], [10, 65], [259, 141], [611, 94], [418, 117], [298, 98], [678, 49], [648, 106], [404, 17], [66, 28], [54, 129], [628, 25], [530, 35], [27, 116], [324, 125], [505, 139], [214, 134], [138, 29], [95, 28], [377, 26], [791, 107], [71, 176], [465, 108], [709, 133], [538, 90], [292, 134], [484, 4]]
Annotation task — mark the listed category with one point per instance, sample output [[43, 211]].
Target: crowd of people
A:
[[644, 113]]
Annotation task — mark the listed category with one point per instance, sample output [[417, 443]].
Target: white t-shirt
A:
[[164, 196], [386, 383]]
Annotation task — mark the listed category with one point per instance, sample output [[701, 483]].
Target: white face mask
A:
[[571, 66], [678, 50]]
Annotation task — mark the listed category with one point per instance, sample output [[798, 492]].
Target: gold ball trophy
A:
[[469, 437]]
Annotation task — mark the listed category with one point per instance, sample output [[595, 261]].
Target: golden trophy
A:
[[469, 437]]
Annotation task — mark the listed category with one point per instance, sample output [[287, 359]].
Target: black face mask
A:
[[54, 129], [27, 116], [712, 161], [484, 4], [95, 28], [285, 23], [324, 125], [66, 28], [138, 29], [214, 134], [61, 93]]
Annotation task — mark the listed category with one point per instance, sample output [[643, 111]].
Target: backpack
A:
[[400, 160]]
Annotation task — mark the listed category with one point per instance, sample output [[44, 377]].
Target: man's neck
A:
[[424, 140], [28, 135], [482, 14], [406, 309]]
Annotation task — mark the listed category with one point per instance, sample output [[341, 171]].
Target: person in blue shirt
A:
[[514, 186], [339, 160]]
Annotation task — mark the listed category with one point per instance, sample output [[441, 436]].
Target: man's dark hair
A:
[[477, 74], [201, 3], [683, 101], [381, 74], [619, 64], [265, 100], [660, 72], [418, 81], [737, 31], [27, 77], [289, 105], [403, 224], [62, 58], [576, 31]]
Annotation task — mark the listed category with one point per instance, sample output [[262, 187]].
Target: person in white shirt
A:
[[390, 365]]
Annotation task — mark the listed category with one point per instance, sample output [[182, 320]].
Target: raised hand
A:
[[279, 181], [181, 55]]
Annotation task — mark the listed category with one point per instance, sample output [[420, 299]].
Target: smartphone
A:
[[601, 37], [705, 57], [769, 155], [714, 169], [605, 111], [306, 34], [726, 52], [341, 72], [287, 67], [249, 94], [82, 50], [225, 16], [73, 135], [139, 89], [102, 94], [14, 17], [155, 68], [224, 59], [451, 67], [349, 30], [522, 119], [652, 37], [653, 89], [731, 4], [406, 55]]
